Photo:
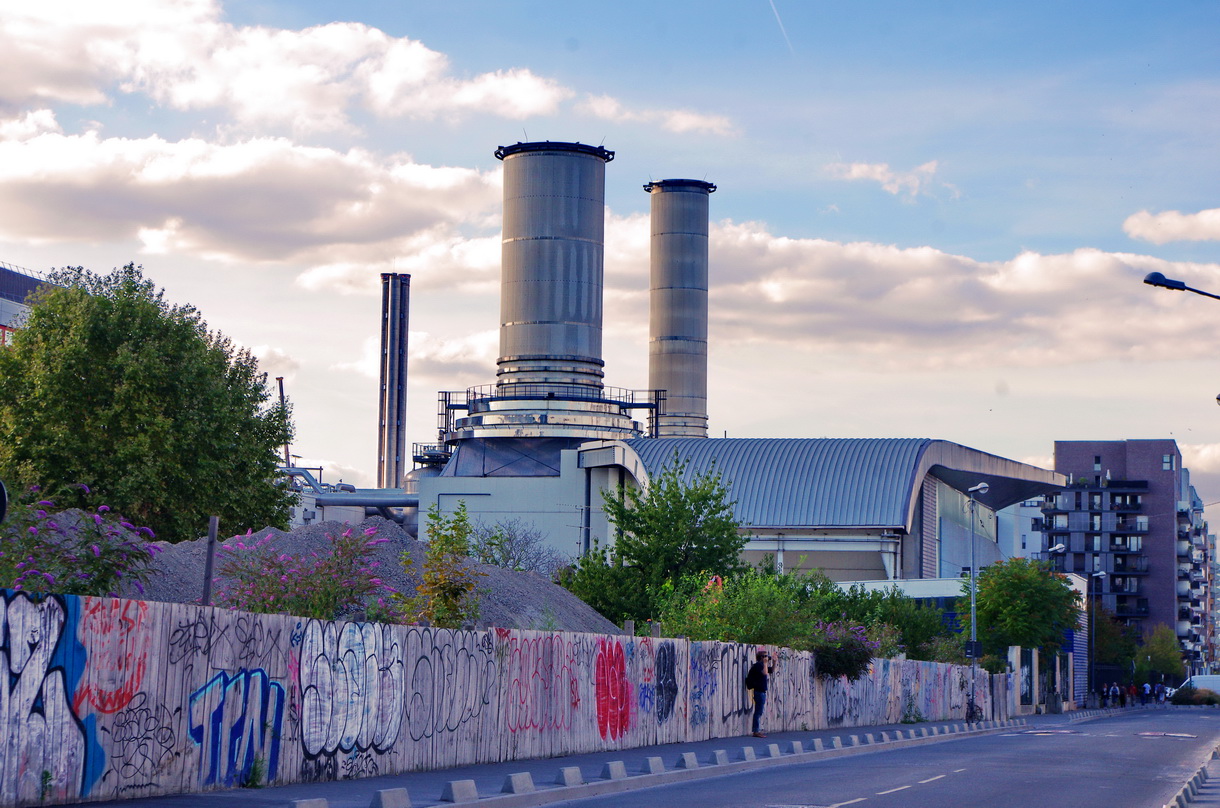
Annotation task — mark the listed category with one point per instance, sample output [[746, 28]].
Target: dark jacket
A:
[[758, 676]]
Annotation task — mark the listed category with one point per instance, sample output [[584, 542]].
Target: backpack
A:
[[752, 678]]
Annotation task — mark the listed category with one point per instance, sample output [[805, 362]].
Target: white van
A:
[[1209, 681]]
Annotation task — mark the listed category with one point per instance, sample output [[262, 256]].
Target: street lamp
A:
[[979, 489], [1093, 629], [1157, 279]]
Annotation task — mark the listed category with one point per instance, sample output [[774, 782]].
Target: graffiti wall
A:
[[108, 698]]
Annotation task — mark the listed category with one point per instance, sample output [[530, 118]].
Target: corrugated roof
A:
[[830, 482], [842, 482]]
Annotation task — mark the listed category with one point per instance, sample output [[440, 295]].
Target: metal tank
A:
[[551, 254], [392, 437], [549, 376], [678, 288]]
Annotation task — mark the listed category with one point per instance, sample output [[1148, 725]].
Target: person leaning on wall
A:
[[757, 680]]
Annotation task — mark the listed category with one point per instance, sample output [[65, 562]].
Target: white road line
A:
[[892, 790], [955, 771], [849, 802], [937, 777]]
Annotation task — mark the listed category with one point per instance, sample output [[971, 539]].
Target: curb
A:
[[519, 790], [1187, 793]]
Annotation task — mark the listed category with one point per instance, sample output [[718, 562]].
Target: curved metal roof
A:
[[841, 482]]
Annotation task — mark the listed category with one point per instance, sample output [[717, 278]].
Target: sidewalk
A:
[[428, 788]]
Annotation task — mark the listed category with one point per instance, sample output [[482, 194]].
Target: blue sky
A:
[[932, 219]]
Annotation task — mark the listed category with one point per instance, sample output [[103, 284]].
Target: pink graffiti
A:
[[613, 690], [117, 638], [542, 693]]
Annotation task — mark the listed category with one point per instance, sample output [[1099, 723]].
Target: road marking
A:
[[937, 777], [892, 790], [955, 771], [849, 802]]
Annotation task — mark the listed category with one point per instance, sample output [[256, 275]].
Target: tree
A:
[[1022, 602], [110, 386], [673, 528], [1114, 644], [515, 545], [447, 597], [1160, 654]]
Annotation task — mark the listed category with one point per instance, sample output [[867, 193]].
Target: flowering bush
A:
[[841, 649], [321, 585], [447, 595], [74, 552]]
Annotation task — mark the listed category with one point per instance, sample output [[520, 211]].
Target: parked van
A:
[[1209, 681]]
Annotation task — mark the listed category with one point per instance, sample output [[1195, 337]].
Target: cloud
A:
[[276, 362], [1172, 225], [912, 183], [334, 471], [33, 123], [262, 200], [678, 121], [450, 364]]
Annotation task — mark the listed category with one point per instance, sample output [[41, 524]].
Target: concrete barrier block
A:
[[570, 776], [796, 748], [912, 734], [773, 750], [817, 745], [687, 760], [460, 791], [1203, 775], [747, 753], [868, 738], [311, 802], [719, 757], [391, 798], [519, 783], [853, 740], [653, 765], [885, 737], [836, 742], [615, 770]]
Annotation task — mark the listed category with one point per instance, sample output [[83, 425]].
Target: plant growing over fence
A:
[[74, 552], [841, 649], [447, 597], [322, 585]]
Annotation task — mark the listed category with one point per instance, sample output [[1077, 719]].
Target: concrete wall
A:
[[107, 698]]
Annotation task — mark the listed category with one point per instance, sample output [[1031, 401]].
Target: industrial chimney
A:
[[677, 345], [392, 437], [549, 376]]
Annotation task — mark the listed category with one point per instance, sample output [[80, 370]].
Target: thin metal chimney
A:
[[551, 265], [392, 460], [677, 345]]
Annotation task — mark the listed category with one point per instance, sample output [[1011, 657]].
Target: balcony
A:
[[1130, 565], [1130, 526], [1127, 485], [1128, 610], [1183, 549]]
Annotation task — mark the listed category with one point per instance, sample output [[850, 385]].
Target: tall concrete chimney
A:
[[677, 345], [392, 460], [551, 281]]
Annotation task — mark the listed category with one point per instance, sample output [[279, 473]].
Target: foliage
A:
[[447, 596], [888, 639], [911, 714], [1113, 643], [1021, 602], [674, 528], [1195, 696], [841, 649], [947, 648], [755, 607], [321, 585], [72, 552], [515, 545], [1162, 654], [169, 422]]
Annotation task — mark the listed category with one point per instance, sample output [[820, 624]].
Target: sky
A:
[[932, 219]]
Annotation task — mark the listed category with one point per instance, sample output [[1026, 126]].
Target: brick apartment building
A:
[[1130, 511]]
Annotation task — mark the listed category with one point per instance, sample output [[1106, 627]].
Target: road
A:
[[1113, 763]]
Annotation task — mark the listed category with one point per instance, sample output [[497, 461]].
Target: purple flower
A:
[[146, 530], [35, 488], [33, 531], [140, 587], [103, 508], [84, 488], [97, 551], [46, 503], [50, 578], [40, 513], [128, 525], [97, 519]]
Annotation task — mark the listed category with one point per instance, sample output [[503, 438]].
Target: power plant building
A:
[[542, 443]]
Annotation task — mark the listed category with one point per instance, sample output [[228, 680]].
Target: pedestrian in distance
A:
[[1114, 694], [756, 681], [1145, 692]]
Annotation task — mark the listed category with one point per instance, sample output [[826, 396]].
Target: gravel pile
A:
[[509, 599]]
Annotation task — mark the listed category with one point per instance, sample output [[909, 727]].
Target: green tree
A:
[[447, 597], [1113, 643], [673, 528], [109, 385], [1021, 602], [755, 607], [1160, 655]]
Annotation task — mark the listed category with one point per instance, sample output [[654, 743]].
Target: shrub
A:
[[841, 649], [447, 596], [73, 552], [321, 585], [1195, 696]]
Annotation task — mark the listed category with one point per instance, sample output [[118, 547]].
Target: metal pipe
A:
[[392, 417], [678, 305]]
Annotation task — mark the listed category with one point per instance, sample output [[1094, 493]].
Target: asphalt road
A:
[[1108, 763]]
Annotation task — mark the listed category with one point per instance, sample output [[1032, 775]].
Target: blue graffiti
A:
[[646, 696], [237, 719]]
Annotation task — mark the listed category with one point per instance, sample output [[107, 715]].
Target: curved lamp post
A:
[[979, 489], [1099, 577]]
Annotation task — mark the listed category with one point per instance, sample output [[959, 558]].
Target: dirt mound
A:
[[508, 599]]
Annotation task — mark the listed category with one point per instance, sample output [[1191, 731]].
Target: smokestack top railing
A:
[[553, 145], [701, 185], [482, 397]]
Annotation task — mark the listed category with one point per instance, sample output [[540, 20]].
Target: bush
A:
[[841, 649], [73, 552], [755, 607], [1195, 696], [322, 585], [447, 596]]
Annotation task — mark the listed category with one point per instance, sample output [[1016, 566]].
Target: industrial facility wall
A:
[[107, 698]]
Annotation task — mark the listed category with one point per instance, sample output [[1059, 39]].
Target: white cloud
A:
[[334, 472], [678, 121], [1201, 457], [1172, 225], [276, 362], [258, 200], [445, 363], [912, 183], [32, 124]]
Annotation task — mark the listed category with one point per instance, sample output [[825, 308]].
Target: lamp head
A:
[[1058, 548], [981, 488], [1157, 279]]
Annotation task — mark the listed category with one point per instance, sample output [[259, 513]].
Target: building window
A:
[[1096, 462], [1166, 462]]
